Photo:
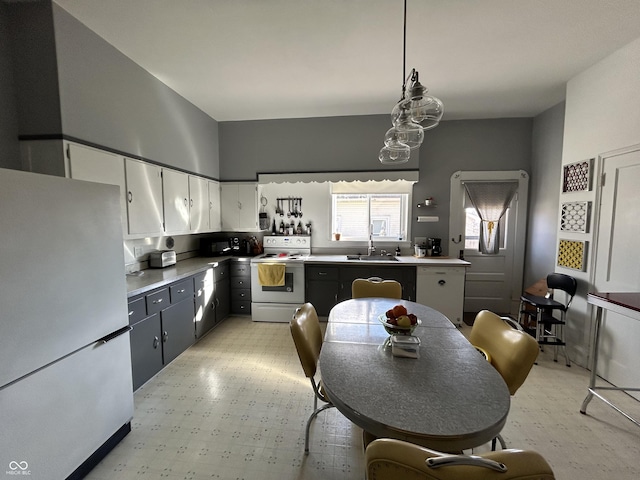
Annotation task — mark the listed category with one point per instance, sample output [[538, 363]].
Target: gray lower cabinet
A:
[[326, 285], [205, 318], [212, 299], [240, 287], [405, 275], [322, 287], [146, 349], [162, 324]]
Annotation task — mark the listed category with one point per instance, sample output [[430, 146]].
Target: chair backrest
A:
[[307, 336], [389, 459], [566, 283], [375, 287], [513, 352]]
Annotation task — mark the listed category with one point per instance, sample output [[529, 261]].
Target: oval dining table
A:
[[449, 399]]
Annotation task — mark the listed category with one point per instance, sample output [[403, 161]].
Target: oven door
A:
[[291, 292]]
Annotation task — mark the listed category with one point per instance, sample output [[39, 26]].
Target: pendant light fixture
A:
[[415, 112]]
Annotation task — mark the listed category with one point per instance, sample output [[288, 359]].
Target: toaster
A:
[[162, 259]]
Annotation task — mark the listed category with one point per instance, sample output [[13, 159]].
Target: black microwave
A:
[[214, 248]]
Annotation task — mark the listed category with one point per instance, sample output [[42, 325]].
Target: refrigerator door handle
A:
[[115, 334]]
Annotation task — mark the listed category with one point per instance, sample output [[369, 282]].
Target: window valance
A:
[[411, 176]]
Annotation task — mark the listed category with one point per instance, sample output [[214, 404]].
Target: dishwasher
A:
[[442, 288]]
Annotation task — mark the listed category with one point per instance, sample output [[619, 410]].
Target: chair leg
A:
[[308, 427], [496, 439]]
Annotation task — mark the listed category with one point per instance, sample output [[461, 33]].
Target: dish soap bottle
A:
[[398, 252]]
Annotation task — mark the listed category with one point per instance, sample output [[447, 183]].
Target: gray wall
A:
[[352, 143], [546, 168], [70, 82], [303, 145], [9, 149], [471, 145]]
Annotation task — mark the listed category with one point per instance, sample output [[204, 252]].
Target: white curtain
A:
[[491, 200]]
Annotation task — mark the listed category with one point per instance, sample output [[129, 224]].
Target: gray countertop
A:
[[159, 277]]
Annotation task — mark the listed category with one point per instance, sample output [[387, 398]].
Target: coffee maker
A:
[[234, 245], [434, 245]]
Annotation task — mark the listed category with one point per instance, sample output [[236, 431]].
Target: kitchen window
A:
[[384, 215]]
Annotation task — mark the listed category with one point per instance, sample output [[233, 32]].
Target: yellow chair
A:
[[389, 459], [307, 336], [512, 352], [375, 287]]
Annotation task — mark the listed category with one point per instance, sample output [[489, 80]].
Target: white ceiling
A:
[[264, 59]]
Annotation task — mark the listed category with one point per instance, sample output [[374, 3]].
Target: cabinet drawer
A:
[[240, 282], [240, 269], [241, 294], [180, 291], [319, 272], [241, 307], [137, 310], [157, 301], [220, 272]]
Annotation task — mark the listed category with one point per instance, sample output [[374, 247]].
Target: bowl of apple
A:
[[397, 321]]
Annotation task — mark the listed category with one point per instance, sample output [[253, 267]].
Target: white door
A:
[[493, 282], [617, 260]]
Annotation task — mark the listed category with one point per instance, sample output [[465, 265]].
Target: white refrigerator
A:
[[65, 365]]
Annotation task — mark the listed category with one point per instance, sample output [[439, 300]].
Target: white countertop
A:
[[158, 277], [402, 260]]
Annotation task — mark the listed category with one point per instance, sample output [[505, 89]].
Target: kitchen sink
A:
[[372, 258]]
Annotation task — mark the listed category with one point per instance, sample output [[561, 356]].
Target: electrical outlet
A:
[[421, 240], [137, 252]]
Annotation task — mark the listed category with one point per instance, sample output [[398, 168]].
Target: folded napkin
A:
[[271, 274]]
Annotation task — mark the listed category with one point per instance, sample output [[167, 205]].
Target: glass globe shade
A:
[[394, 153]]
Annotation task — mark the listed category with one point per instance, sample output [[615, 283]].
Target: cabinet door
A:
[[198, 204], [239, 205], [144, 198], [178, 331], [205, 314], [223, 299], [247, 206], [229, 206], [214, 206], [175, 198], [94, 165], [146, 350]]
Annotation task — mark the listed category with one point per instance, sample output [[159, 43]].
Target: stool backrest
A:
[[566, 283]]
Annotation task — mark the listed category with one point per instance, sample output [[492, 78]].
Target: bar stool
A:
[[549, 329]]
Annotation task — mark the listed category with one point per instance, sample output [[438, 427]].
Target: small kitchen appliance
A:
[[436, 247], [162, 259], [214, 248], [235, 244]]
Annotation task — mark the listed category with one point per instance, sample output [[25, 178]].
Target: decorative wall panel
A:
[[572, 254], [577, 177], [575, 217]]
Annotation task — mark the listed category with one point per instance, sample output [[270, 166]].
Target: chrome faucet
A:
[[371, 250]]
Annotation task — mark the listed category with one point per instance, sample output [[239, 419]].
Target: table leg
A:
[[593, 360]]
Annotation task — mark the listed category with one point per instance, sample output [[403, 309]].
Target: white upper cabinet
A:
[[93, 165], [144, 198], [214, 206], [198, 204], [175, 197], [239, 206]]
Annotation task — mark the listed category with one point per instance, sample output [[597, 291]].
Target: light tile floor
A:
[[234, 406]]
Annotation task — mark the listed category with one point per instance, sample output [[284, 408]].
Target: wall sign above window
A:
[[576, 177]]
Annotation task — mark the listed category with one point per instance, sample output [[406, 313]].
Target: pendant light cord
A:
[[404, 51]]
